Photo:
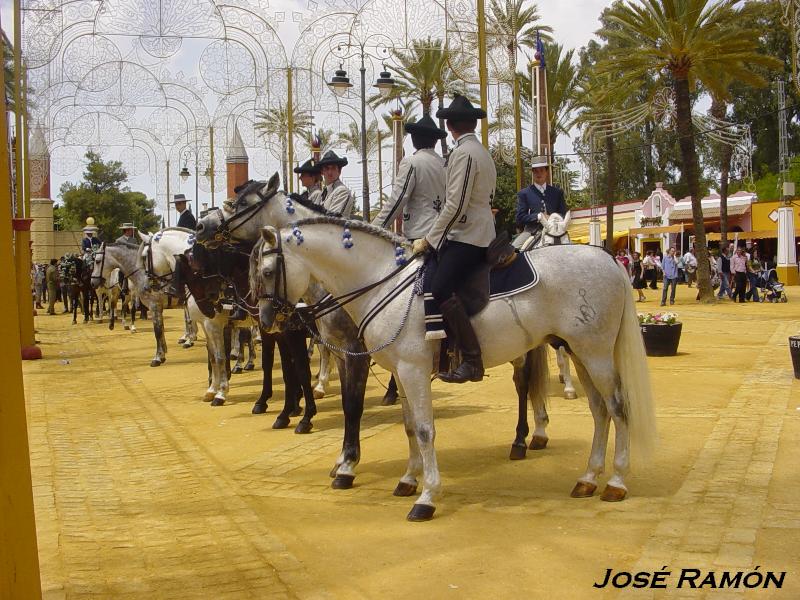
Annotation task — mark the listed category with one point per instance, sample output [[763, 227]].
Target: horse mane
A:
[[183, 229], [361, 226], [256, 289], [122, 245], [317, 208]]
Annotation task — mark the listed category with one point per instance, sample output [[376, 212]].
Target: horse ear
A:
[[567, 219], [270, 236], [274, 183], [143, 236]]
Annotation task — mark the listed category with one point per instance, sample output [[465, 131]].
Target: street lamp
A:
[[184, 174], [340, 84]]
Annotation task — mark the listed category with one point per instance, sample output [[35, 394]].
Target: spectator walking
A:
[[670, 268], [753, 273], [724, 270], [38, 284], [624, 261], [637, 276], [690, 267], [739, 270]]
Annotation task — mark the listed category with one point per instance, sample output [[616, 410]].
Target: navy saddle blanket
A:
[[519, 276]]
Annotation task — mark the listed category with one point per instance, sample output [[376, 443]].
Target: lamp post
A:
[[340, 84]]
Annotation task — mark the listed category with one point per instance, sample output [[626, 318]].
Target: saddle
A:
[[475, 291]]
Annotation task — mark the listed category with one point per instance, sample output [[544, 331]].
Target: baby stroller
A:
[[771, 288]]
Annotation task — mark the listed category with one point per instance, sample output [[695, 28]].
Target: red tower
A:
[[236, 163]]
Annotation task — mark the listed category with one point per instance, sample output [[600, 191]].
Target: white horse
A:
[[582, 300], [125, 257]]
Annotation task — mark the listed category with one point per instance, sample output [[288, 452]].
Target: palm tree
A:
[[688, 41], [512, 26], [274, 123], [423, 74]]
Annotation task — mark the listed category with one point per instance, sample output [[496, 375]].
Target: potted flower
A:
[[661, 333]]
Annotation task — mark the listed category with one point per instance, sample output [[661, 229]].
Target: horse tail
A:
[[539, 376], [634, 380]]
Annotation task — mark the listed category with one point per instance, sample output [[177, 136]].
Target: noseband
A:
[[102, 265], [226, 227]]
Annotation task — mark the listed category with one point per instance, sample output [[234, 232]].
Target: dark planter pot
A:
[[661, 340], [794, 349]]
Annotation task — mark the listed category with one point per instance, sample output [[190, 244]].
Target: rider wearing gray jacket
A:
[[463, 231], [418, 189], [336, 196]]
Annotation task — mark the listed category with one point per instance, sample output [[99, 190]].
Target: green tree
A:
[[103, 195], [689, 41]]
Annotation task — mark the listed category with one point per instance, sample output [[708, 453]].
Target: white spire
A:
[[236, 151]]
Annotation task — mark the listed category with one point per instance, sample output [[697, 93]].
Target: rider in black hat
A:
[[310, 175], [462, 231], [336, 196], [418, 192], [185, 217]]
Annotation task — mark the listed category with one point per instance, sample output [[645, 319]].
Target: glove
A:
[[420, 246]]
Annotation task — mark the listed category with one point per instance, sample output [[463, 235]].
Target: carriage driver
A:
[[128, 234], [310, 175], [462, 231], [185, 217], [336, 196], [418, 192], [538, 198], [91, 242]]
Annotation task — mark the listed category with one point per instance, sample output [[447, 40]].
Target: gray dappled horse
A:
[[582, 300]]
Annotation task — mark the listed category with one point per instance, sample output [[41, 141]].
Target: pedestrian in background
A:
[[724, 270], [637, 276], [670, 268], [739, 270], [38, 284], [753, 273], [690, 267], [52, 280], [649, 267]]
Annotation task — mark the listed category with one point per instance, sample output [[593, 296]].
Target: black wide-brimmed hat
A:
[[426, 127], [310, 167], [331, 158], [460, 109], [179, 198]]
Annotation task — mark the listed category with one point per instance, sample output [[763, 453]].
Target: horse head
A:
[[271, 285], [233, 221]]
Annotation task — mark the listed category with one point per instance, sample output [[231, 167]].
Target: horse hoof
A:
[[334, 470], [389, 399], [181, 341], [560, 379], [421, 512], [517, 452], [259, 409], [111, 326], [126, 327], [304, 427], [188, 344], [208, 397], [281, 423], [570, 395], [234, 356], [217, 401], [342, 482], [319, 394], [249, 367], [583, 490], [538, 443], [405, 489], [613, 494], [133, 329], [155, 363], [236, 370]]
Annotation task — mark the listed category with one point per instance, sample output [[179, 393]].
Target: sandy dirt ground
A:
[[142, 490]]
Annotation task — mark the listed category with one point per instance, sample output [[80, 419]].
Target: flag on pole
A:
[[539, 50]]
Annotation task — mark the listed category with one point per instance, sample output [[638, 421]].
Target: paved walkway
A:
[[144, 491]]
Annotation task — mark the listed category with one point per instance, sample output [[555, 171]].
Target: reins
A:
[[224, 229]]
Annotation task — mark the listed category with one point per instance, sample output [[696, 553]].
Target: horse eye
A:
[[266, 273]]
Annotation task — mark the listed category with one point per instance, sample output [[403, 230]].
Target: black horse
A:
[[79, 283], [220, 276]]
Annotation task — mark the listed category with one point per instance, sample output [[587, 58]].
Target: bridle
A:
[[225, 228], [101, 278], [284, 309]]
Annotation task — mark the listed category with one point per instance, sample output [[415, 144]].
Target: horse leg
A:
[[587, 483], [158, 330], [237, 347], [522, 367], [302, 369], [407, 486], [87, 306], [251, 349], [324, 372], [390, 397], [190, 333], [133, 315], [417, 387], [74, 301], [565, 376], [290, 382], [267, 358], [538, 379], [221, 347], [353, 373]]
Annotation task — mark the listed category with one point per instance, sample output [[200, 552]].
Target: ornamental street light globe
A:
[[340, 82], [385, 83]]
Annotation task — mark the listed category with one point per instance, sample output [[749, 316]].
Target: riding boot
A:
[[471, 367]]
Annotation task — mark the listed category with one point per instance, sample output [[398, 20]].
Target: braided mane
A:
[[368, 228]]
